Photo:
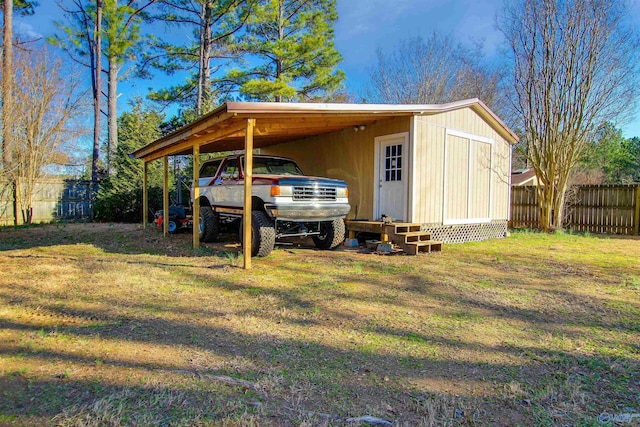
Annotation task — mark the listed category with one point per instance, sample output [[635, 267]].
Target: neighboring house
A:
[[446, 167], [524, 177]]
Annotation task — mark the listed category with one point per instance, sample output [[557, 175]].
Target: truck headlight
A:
[[342, 192], [285, 190]]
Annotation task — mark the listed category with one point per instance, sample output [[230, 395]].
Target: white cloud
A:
[[24, 29]]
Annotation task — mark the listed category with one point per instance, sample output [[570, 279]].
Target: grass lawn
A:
[[114, 325]]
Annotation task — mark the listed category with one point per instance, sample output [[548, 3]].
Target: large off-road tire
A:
[[209, 225], [263, 234], [331, 234]]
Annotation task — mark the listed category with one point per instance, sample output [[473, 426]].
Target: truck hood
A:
[[303, 181]]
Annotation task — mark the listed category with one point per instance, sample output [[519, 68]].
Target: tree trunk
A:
[[7, 96], [97, 91], [16, 207], [203, 100], [112, 115], [544, 207], [7, 83], [27, 216], [278, 98]]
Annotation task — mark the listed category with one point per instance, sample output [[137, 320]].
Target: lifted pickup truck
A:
[[285, 202]]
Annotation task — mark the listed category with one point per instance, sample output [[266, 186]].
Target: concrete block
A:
[[384, 248], [351, 243]]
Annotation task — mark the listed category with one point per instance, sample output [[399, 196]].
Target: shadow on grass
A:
[[388, 366], [322, 378]]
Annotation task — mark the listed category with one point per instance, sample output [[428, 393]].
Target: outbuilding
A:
[[446, 166]]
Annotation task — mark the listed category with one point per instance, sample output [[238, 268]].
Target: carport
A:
[[445, 167], [245, 126]]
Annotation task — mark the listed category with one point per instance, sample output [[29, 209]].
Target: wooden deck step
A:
[[401, 227], [409, 236], [413, 248], [414, 236], [406, 235]]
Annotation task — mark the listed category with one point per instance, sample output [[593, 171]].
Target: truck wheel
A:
[[209, 225], [263, 234], [331, 234]]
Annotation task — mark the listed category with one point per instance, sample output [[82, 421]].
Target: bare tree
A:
[[23, 7], [433, 71], [575, 67], [82, 40], [48, 106]]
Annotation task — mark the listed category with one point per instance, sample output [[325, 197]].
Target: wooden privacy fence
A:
[[613, 209], [54, 199]]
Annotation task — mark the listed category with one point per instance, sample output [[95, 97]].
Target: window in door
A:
[[393, 163]]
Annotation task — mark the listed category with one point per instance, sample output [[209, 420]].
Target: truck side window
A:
[[230, 170], [209, 169]]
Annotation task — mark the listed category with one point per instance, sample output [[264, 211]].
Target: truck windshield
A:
[[274, 166]]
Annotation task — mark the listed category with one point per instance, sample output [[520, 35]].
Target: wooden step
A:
[[401, 227], [408, 237], [413, 248], [413, 236]]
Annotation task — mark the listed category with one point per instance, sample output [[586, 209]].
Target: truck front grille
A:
[[314, 193]]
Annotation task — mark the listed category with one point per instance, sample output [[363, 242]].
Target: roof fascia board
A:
[[279, 108], [496, 123], [205, 138], [199, 126]]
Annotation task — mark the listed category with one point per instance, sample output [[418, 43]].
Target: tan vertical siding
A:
[[429, 170], [346, 155], [350, 156], [480, 180], [457, 177]]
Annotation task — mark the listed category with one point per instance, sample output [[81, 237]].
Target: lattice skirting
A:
[[466, 232]]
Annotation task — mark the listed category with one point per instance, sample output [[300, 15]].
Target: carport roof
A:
[[224, 128]]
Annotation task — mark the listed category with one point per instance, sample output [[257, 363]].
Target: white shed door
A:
[[392, 177]]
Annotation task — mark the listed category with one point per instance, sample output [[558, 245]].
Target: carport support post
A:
[[165, 195], [636, 216], [145, 195], [196, 196], [248, 178]]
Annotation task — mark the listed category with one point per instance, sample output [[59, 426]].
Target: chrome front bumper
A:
[[308, 212]]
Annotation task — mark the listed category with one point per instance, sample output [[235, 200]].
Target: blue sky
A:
[[364, 26]]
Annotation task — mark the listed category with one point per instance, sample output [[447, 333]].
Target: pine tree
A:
[[292, 43], [97, 28], [22, 7], [122, 35], [213, 23]]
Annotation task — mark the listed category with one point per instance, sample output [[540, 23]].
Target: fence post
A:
[[636, 216]]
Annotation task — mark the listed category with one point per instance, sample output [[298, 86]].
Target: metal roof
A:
[[223, 129]]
